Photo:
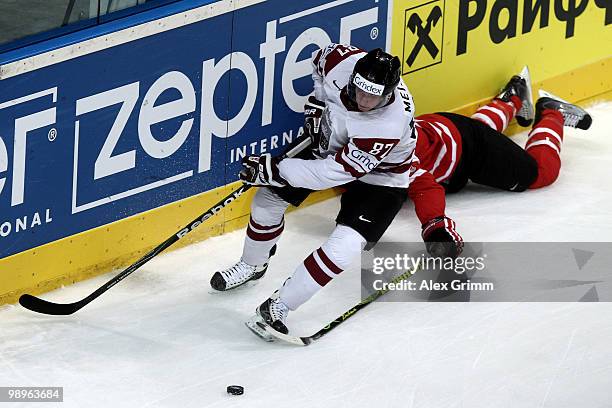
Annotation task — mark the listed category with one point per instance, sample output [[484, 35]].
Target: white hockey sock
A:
[[321, 266], [265, 226]]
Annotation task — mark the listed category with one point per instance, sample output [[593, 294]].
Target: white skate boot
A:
[[272, 312], [237, 275]]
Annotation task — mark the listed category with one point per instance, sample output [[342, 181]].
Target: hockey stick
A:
[[39, 305], [307, 340]]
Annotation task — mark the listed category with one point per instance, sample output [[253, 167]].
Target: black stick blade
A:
[[39, 305]]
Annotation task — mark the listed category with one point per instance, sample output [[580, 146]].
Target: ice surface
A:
[[160, 339]]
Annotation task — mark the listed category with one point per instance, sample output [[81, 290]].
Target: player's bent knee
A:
[[546, 177], [527, 174], [267, 208], [548, 167], [343, 245]]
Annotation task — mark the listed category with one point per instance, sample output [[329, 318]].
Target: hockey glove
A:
[[441, 239], [261, 171], [313, 112]]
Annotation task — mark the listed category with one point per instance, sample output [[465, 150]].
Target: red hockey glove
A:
[[261, 171], [313, 112], [441, 239]]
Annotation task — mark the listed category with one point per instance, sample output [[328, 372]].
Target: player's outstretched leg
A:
[[545, 140], [514, 99], [573, 115], [263, 232], [317, 270]]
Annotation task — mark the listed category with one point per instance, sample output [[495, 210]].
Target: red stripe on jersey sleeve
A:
[[317, 57]]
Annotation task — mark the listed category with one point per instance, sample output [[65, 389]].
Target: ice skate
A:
[[237, 275], [273, 313], [520, 85], [573, 115]]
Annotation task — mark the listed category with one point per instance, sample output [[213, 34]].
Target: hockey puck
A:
[[235, 389]]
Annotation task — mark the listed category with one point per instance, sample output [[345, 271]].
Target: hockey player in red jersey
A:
[[361, 116], [455, 148]]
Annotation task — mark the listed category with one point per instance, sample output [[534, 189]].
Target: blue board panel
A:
[[81, 146]]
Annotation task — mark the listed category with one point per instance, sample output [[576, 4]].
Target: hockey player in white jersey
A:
[[362, 118]]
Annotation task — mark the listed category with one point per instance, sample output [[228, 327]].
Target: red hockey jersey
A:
[[438, 145]]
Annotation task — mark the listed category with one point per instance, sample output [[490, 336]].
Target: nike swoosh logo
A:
[[363, 219], [334, 81]]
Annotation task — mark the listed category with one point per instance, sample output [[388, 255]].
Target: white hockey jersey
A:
[[376, 147]]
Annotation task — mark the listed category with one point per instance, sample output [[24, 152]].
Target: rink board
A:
[[146, 118], [463, 51], [92, 177]]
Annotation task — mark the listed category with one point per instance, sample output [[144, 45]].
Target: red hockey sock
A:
[[497, 113], [516, 102], [544, 145]]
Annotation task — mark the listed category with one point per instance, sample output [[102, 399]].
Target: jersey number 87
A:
[[378, 147]]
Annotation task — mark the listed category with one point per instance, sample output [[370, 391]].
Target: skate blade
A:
[[257, 326], [286, 338], [544, 94], [237, 289], [527, 112]]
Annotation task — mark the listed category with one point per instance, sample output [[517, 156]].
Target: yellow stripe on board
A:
[[119, 244]]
